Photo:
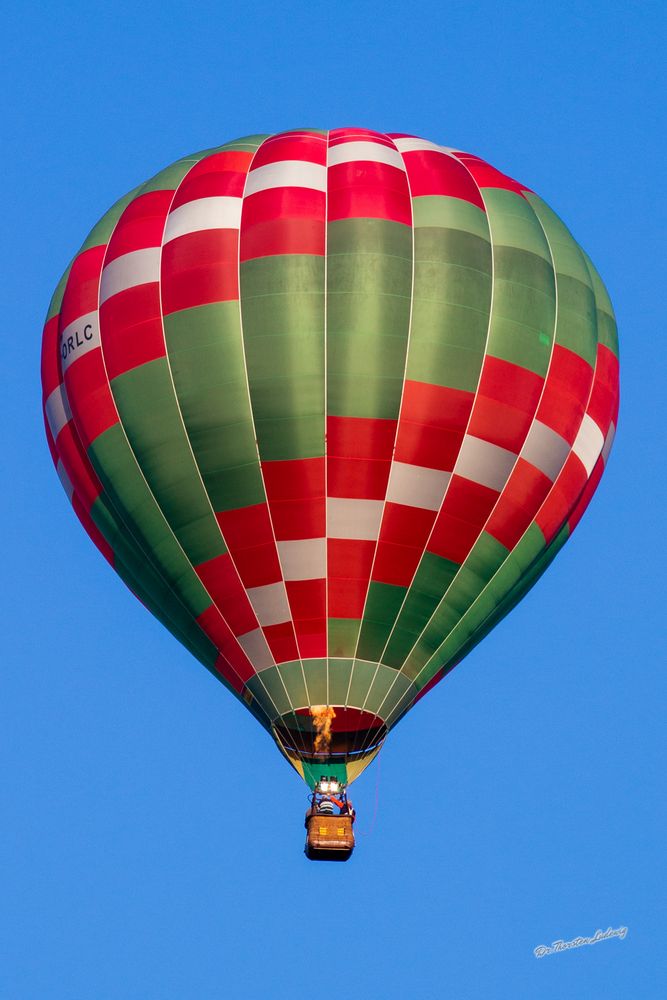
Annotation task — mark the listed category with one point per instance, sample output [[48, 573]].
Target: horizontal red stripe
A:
[[349, 558], [566, 393], [453, 538], [487, 176], [294, 479], [312, 638], [221, 174], [346, 598], [360, 437], [222, 582], [357, 478], [282, 642], [300, 146], [467, 500], [82, 289], [90, 397], [141, 225], [406, 525], [340, 135], [562, 498], [307, 599], [433, 173], [279, 236], [518, 504], [362, 190], [50, 358], [396, 564], [199, 268], [218, 631], [131, 329]]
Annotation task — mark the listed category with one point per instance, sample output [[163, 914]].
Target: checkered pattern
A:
[[330, 403]]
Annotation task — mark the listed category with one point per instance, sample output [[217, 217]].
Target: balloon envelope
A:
[[330, 403]]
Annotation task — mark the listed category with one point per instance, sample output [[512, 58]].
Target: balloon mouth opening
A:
[[351, 734]]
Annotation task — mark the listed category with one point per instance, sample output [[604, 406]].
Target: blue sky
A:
[[152, 837]]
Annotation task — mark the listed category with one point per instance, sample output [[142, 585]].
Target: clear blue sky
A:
[[151, 841]]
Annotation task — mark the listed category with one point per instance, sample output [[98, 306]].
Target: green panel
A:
[[339, 680], [151, 419], [444, 212], [342, 634], [607, 333], [206, 357], [282, 306], [270, 679], [313, 772], [576, 327], [316, 679], [369, 281], [513, 223], [524, 309], [122, 481], [363, 674], [383, 603], [383, 682], [292, 675], [433, 577], [450, 314]]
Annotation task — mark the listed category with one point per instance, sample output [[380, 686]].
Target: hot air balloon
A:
[[330, 403]]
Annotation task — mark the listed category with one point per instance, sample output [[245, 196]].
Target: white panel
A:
[[203, 213], [57, 410], [270, 603], [545, 449], [412, 144], [417, 486], [136, 268], [303, 559], [588, 443], [349, 518], [348, 152], [608, 442], [287, 173], [65, 480], [257, 649], [484, 463], [78, 338]]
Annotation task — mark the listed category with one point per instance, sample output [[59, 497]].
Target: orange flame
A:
[[323, 716]]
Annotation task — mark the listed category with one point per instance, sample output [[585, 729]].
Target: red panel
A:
[[222, 582], [396, 564], [226, 670], [198, 268], [562, 498], [279, 236], [431, 425], [604, 395], [312, 638], [500, 423], [293, 519], [282, 203], [469, 501], [296, 497], [487, 176], [249, 538], [141, 225], [430, 172], [405, 525], [518, 504], [82, 289], [131, 328], [90, 398], [245, 526], [340, 135], [587, 495], [307, 598], [346, 598], [292, 146], [294, 479], [359, 456], [221, 174], [282, 642], [453, 538], [77, 466], [349, 558], [214, 626], [366, 190], [566, 393]]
